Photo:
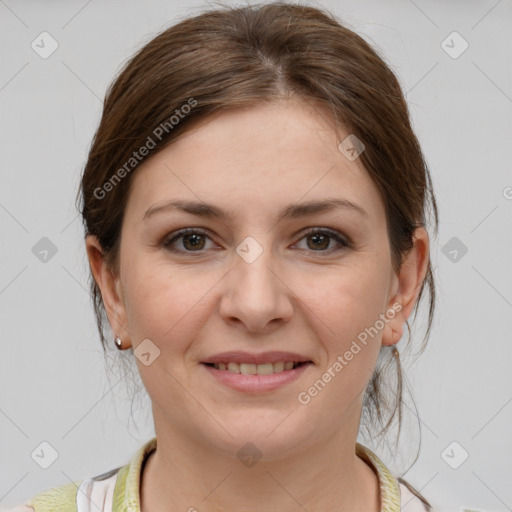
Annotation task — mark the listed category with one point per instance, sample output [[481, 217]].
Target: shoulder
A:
[[58, 499], [85, 495], [103, 493]]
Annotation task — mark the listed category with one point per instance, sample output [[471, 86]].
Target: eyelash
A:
[[343, 242]]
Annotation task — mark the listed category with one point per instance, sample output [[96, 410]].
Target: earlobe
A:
[[393, 329]]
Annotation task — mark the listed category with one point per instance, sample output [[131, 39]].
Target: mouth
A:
[[258, 369], [256, 373], [252, 372]]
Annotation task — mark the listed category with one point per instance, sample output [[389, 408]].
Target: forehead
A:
[[256, 158]]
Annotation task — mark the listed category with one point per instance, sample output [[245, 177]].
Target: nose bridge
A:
[[255, 295], [252, 265]]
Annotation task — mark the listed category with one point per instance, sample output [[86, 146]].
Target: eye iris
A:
[[195, 237], [322, 238]]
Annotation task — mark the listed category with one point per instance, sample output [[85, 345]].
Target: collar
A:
[[388, 484], [127, 491]]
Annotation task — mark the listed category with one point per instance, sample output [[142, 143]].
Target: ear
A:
[[406, 287], [110, 287]]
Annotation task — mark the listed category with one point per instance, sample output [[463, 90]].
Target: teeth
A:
[[248, 369], [278, 367], [265, 369], [257, 369], [234, 367]]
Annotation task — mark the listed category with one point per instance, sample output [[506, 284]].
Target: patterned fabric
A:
[[118, 490], [389, 489]]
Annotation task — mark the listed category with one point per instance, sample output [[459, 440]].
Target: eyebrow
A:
[[292, 211]]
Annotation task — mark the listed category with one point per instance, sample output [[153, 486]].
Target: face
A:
[[310, 283]]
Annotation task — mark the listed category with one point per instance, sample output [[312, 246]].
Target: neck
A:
[[183, 474]]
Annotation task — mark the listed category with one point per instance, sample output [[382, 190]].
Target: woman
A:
[[254, 204]]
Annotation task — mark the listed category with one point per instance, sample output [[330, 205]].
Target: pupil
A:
[[195, 239], [316, 237]]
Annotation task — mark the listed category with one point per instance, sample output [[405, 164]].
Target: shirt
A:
[[118, 489]]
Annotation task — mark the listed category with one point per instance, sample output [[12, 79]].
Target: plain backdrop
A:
[[453, 61]]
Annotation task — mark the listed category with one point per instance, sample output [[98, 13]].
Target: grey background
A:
[[53, 383]]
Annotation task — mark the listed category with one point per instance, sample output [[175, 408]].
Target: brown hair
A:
[[234, 57]]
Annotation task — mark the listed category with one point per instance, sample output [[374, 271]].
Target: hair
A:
[[235, 57]]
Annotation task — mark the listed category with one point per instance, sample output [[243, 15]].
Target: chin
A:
[[262, 439]]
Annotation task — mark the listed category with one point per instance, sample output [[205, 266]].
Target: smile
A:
[[257, 369], [256, 378]]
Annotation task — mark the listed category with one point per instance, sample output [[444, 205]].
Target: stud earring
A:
[[118, 342]]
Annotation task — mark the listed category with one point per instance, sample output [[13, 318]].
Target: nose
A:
[[256, 294]]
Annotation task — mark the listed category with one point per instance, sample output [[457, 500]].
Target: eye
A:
[[193, 240], [321, 239]]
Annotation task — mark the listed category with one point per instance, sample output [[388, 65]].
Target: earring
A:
[[118, 342], [396, 353]]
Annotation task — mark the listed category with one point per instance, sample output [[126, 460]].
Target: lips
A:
[[255, 378], [255, 358]]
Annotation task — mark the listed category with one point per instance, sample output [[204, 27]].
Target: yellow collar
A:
[[389, 490]]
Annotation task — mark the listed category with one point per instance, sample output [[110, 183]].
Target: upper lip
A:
[[251, 358]]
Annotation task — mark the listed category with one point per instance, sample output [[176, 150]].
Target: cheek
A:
[[154, 299], [164, 303], [348, 313], [355, 298], [161, 308], [352, 298]]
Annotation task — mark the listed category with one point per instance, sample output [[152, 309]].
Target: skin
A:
[[294, 297]]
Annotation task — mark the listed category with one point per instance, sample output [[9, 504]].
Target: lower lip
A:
[[256, 383]]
